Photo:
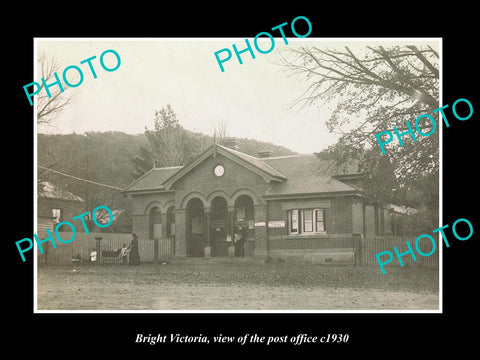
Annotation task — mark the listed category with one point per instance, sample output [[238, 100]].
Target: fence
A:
[[365, 249], [108, 253]]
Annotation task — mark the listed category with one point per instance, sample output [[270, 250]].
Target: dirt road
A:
[[237, 286]]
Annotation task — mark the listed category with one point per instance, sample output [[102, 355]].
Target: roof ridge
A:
[[237, 151], [168, 167], [285, 156], [240, 154]]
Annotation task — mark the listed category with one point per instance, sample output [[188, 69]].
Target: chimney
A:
[[230, 142], [265, 153]]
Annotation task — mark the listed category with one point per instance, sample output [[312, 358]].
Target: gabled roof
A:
[[290, 175], [256, 162], [152, 179], [253, 164]]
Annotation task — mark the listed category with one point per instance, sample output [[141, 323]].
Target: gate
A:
[[166, 249]]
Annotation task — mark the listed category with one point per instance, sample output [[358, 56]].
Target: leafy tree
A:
[[169, 144]]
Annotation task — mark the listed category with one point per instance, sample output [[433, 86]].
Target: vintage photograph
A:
[[259, 188]]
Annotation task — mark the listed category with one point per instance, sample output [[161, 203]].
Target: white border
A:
[[307, 39]]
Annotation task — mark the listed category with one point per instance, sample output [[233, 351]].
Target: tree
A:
[[49, 108], [103, 158], [372, 91], [169, 144], [220, 129]]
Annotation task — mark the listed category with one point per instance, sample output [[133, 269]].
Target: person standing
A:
[[124, 253], [243, 239], [237, 239], [134, 256]]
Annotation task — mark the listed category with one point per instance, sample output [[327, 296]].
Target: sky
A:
[[254, 99]]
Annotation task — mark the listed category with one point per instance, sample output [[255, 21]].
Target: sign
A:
[[261, 223], [276, 224]]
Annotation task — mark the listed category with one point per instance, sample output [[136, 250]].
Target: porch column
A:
[[230, 219], [208, 247], [157, 240], [180, 232]]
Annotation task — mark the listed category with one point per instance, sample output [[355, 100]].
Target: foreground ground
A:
[[235, 286]]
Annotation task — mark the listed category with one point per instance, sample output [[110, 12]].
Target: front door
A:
[[219, 238], [219, 228], [195, 228]]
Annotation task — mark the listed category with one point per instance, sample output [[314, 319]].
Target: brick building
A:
[[290, 207]]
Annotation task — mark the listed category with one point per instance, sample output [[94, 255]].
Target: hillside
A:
[[107, 156]]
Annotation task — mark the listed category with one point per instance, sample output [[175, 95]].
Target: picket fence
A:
[[78, 251], [365, 249]]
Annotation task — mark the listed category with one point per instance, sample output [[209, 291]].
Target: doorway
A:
[[195, 228], [219, 227]]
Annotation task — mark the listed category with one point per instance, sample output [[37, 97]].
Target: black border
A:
[[114, 334]]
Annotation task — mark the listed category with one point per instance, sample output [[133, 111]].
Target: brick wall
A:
[[260, 246], [369, 220], [142, 201], [180, 235], [335, 247], [357, 217], [140, 226], [202, 180], [338, 217]]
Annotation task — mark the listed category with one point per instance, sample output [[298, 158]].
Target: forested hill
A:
[[107, 157]]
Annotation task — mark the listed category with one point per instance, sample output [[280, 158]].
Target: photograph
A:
[[237, 175], [223, 181]]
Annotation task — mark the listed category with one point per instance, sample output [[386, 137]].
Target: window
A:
[[57, 215], [320, 220], [293, 222], [306, 221]]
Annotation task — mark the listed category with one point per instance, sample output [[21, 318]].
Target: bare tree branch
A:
[[49, 108], [375, 89]]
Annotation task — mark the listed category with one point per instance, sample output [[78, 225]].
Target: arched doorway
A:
[[195, 228], [219, 227], [244, 222], [155, 219]]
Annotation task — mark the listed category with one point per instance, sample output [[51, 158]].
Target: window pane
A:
[[307, 221], [294, 221], [308, 215], [320, 226], [320, 222], [319, 215]]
